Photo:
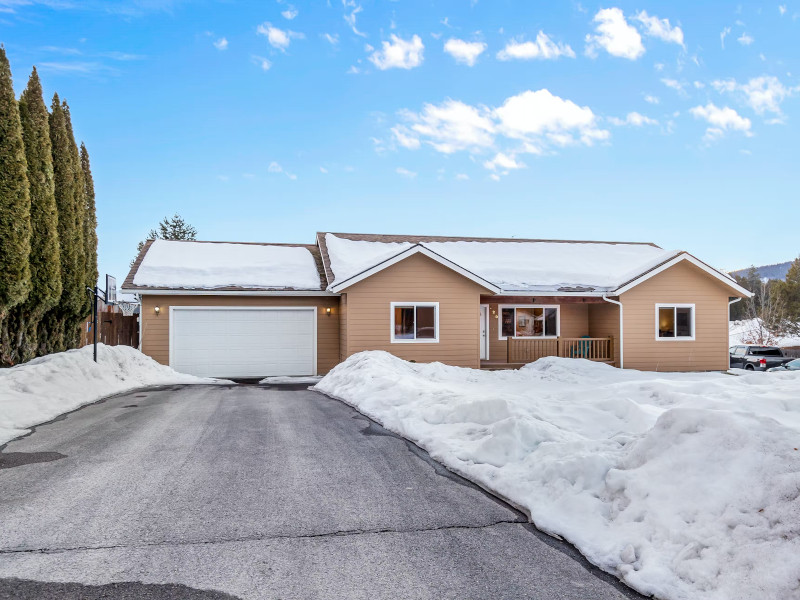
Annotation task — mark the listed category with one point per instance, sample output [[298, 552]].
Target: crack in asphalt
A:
[[329, 534]]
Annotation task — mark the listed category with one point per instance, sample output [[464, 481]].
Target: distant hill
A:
[[768, 271]]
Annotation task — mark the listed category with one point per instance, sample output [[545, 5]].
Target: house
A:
[[252, 309]]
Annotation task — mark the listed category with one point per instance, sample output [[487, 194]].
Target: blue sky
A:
[[268, 121]]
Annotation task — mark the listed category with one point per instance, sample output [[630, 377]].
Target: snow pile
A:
[[750, 330], [181, 264], [683, 485], [46, 387], [514, 266]]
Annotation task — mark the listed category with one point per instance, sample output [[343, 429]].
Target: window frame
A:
[[500, 308], [675, 306], [434, 340]]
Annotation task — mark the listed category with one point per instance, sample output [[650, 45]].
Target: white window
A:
[[675, 322], [529, 321], [415, 322]]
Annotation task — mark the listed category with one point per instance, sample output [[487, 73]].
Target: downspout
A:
[[621, 331], [734, 301]]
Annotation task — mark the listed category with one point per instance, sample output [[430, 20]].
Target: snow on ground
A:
[[742, 332], [42, 389], [182, 264], [683, 485], [290, 379]]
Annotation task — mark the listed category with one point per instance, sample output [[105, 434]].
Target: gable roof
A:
[[225, 267], [555, 267], [406, 253]]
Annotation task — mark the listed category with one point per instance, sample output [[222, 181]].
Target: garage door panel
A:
[[252, 342]]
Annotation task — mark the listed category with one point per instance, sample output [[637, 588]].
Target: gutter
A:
[[621, 330]]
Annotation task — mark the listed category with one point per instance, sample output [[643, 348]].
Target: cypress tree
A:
[[90, 220], [15, 203], [45, 259], [70, 236]]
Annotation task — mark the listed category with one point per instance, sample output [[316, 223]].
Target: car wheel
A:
[[749, 368]]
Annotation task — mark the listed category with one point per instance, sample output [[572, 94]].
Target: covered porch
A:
[[516, 330]]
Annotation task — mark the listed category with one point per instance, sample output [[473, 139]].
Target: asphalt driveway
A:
[[254, 492]]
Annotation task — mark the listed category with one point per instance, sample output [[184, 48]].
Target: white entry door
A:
[[240, 341], [484, 332]]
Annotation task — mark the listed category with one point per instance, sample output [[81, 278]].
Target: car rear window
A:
[[766, 352]]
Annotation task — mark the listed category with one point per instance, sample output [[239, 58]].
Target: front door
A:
[[484, 332]]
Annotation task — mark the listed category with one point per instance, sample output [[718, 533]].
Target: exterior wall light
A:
[[328, 311], [157, 310]]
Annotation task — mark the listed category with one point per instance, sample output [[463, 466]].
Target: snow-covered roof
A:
[[215, 265], [511, 265]]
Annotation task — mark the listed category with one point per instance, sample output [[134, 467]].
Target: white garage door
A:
[[242, 341]]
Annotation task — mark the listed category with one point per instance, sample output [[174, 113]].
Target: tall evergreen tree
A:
[[72, 331], [15, 202], [45, 258], [174, 228], [89, 221], [789, 290], [70, 236]]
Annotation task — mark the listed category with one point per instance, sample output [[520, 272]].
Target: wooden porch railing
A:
[[529, 350]]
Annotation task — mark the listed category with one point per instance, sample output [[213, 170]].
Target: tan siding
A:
[[604, 322], [155, 329], [342, 327], [417, 279], [682, 284], [574, 323]]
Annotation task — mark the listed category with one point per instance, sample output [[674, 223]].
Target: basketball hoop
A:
[[128, 308]]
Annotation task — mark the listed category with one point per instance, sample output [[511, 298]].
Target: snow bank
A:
[[46, 387], [743, 332], [182, 264], [683, 485]]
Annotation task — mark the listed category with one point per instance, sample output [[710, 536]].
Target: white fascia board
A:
[[698, 263], [212, 292], [553, 293], [416, 249]]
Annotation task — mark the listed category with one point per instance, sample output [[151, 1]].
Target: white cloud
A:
[[323, 170], [532, 122], [462, 177], [278, 38], [274, 167], [405, 137], [399, 53], [650, 99], [452, 126], [720, 120], [290, 13], [674, 84], [405, 172], [722, 35], [221, 44], [615, 35], [660, 28], [331, 38], [745, 39], [504, 162], [263, 63], [782, 9], [350, 17], [543, 48], [635, 119], [762, 94], [464, 52]]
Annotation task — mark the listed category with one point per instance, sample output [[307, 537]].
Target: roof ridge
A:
[[390, 237]]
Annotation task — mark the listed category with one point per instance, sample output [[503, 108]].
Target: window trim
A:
[[675, 305], [500, 308], [434, 340]]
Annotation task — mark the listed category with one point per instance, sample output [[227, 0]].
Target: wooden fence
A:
[[528, 350], [792, 352], [113, 329]]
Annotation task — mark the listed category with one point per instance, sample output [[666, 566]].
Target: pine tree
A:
[[90, 220], [15, 203], [169, 229], [45, 259], [70, 236], [789, 290]]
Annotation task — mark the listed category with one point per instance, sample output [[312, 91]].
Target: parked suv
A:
[[757, 358]]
